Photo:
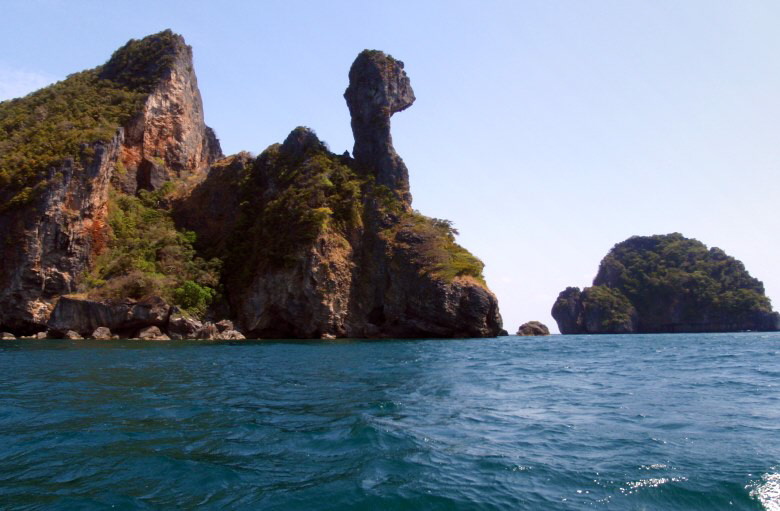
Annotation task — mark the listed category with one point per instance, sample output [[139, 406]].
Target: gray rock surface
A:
[[84, 316], [102, 333], [224, 325], [533, 328], [208, 332], [231, 335], [55, 239], [182, 326], [378, 88], [152, 333], [568, 311]]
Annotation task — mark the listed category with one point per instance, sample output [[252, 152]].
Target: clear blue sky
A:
[[547, 131]]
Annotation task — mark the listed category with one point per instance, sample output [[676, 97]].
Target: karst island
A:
[[120, 216]]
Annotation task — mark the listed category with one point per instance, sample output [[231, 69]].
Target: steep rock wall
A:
[[356, 275], [48, 245], [168, 139]]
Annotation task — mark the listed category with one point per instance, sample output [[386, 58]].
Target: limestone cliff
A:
[[118, 212], [167, 138], [378, 88], [666, 283], [328, 246], [46, 246], [148, 130]]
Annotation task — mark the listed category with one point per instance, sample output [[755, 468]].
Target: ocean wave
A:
[[654, 466], [655, 482], [767, 492]]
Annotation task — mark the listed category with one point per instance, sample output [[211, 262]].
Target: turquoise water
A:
[[666, 422]]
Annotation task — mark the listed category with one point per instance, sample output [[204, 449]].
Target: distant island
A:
[[120, 216], [666, 283]]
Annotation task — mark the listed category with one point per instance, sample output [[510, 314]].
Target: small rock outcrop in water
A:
[[101, 333], [533, 328], [152, 333], [132, 221], [666, 283]]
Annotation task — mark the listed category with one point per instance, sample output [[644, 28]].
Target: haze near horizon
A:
[[546, 131]]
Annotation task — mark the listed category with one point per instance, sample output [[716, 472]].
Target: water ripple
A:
[[673, 422]]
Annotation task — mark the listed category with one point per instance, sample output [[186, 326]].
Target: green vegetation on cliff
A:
[[44, 128], [670, 283], [290, 199], [608, 310], [147, 255], [654, 271], [299, 190], [40, 130], [298, 241], [142, 63], [431, 243]]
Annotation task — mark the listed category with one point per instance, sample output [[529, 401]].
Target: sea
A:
[[606, 422]]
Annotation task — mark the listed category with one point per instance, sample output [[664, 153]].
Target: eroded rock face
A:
[[102, 333], [212, 207], [306, 300], [85, 316], [567, 311], [533, 328], [348, 279], [46, 247], [392, 297], [152, 333], [378, 88], [49, 245], [231, 335], [353, 278], [595, 310], [168, 139], [182, 326]]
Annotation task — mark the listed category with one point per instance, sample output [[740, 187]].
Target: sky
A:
[[547, 131]]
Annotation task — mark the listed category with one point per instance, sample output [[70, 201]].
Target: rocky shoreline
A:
[[150, 319]]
